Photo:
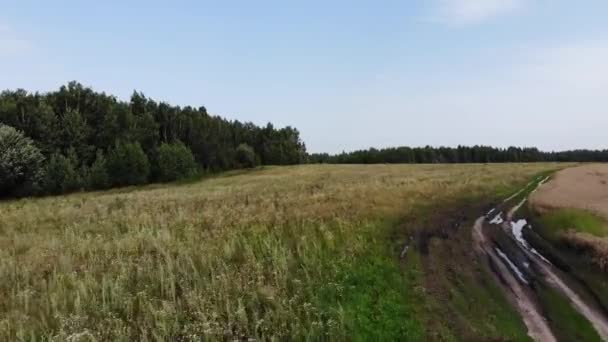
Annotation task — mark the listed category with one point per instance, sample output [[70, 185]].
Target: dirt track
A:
[[583, 187], [538, 328], [517, 288]]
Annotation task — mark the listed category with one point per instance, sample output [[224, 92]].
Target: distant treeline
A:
[[460, 154], [75, 138]]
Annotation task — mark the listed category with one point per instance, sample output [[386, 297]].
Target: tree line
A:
[[76, 138], [460, 154]]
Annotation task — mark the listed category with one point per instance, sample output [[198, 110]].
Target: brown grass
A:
[[584, 187], [274, 253]]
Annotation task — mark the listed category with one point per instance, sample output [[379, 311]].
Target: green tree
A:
[[61, 175], [127, 164], [245, 156], [175, 161], [98, 177], [20, 162], [73, 133]]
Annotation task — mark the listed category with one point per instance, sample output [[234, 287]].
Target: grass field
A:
[[304, 252]]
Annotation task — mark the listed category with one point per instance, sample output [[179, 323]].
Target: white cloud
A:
[[466, 12]]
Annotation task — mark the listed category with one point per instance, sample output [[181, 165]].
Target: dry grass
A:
[[595, 247], [297, 252], [584, 187]]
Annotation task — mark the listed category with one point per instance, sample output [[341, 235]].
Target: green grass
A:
[[558, 221], [370, 294], [566, 323]]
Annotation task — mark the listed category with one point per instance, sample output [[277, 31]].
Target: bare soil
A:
[[583, 187]]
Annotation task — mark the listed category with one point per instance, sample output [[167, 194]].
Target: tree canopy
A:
[[20, 162], [460, 154]]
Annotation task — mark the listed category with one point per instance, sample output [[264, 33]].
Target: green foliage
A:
[[560, 220], [246, 157], [175, 161], [60, 174], [20, 162], [127, 164], [98, 177]]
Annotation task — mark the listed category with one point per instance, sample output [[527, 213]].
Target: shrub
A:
[[245, 156], [20, 162], [127, 164], [175, 161]]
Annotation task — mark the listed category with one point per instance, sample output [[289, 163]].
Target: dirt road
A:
[[538, 328], [512, 259]]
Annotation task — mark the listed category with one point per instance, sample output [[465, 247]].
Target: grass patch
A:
[[484, 306], [565, 321], [558, 221], [371, 295]]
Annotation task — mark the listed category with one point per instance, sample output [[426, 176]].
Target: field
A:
[[304, 252], [584, 187]]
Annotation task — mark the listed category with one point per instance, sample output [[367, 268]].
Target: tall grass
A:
[[300, 252], [582, 231], [558, 221]]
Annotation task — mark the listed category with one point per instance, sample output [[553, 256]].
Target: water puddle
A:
[[497, 219], [517, 230], [513, 267]]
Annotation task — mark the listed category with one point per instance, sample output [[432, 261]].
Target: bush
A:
[[60, 175], [20, 162], [175, 161], [97, 176], [246, 157], [127, 164]]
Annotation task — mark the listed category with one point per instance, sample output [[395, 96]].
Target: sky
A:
[[348, 74]]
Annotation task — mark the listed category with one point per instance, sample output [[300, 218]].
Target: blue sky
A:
[[347, 74]]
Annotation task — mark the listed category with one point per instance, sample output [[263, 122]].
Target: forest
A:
[[76, 138], [460, 154]]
